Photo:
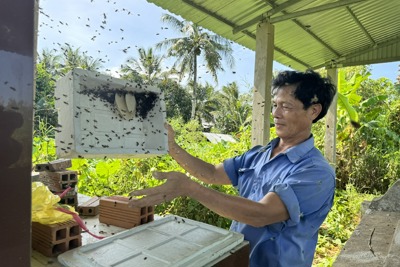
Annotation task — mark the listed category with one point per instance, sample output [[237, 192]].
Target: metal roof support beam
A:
[[248, 24], [229, 23], [319, 40], [283, 52], [342, 58], [314, 10], [274, 10], [330, 122], [357, 21], [262, 83], [209, 13], [281, 7]]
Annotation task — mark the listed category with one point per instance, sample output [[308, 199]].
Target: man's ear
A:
[[315, 110]]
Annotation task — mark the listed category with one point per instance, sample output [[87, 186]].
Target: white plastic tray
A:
[[169, 241]]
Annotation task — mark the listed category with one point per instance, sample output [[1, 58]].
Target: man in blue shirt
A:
[[286, 188]]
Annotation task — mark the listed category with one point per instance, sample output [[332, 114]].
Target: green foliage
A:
[[339, 225], [43, 149], [44, 98], [177, 100], [364, 154]]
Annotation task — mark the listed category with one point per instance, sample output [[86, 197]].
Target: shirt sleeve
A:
[[233, 165], [305, 192]]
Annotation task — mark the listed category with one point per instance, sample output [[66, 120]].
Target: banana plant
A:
[[348, 97]]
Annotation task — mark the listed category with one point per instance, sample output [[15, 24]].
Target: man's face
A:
[[292, 122]]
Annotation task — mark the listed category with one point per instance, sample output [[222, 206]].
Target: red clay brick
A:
[[55, 165], [115, 211], [90, 207], [60, 180], [54, 239], [71, 199]]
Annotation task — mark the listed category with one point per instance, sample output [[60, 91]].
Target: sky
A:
[[113, 30]]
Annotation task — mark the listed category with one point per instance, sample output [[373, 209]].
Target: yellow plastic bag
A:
[[45, 204]]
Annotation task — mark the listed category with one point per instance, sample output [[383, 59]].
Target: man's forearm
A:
[[195, 166], [237, 208]]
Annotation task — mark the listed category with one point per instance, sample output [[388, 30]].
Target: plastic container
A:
[[102, 116], [169, 241]]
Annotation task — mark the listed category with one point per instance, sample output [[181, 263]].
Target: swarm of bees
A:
[[112, 118]]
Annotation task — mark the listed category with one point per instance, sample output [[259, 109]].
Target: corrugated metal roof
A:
[[355, 32]]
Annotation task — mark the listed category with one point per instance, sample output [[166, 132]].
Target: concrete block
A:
[[101, 116], [90, 207], [55, 165], [54, 239], [390, 201], [60, 180], [393, 257], [369, 244], [114, 210]]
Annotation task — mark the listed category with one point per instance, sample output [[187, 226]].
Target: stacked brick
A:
[[114, 210], [54, 239], [55, 176]]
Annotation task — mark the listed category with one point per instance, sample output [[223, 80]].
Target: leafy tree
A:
[[45, 112], [194, 43], [177, 100]]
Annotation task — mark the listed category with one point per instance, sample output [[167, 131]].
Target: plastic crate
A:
[[169, 241]]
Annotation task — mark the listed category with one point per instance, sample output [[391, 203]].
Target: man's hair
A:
[[311, 88]]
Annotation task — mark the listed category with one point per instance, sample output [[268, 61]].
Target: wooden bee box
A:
[[102, 116]]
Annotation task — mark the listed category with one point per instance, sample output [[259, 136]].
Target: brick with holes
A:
[[55, 165], [60, 180], [114, 210], [54, 239], [90, 207]]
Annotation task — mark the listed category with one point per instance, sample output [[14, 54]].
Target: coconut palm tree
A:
[[73, 58], [195, 42], [49, 60], [147, 66], [90, 63], [234, 109]]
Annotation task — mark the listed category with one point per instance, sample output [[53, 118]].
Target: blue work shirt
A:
[[304, 181]]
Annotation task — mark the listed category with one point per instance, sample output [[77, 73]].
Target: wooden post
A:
[[330, 123], [262, 83], [18, 23]]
